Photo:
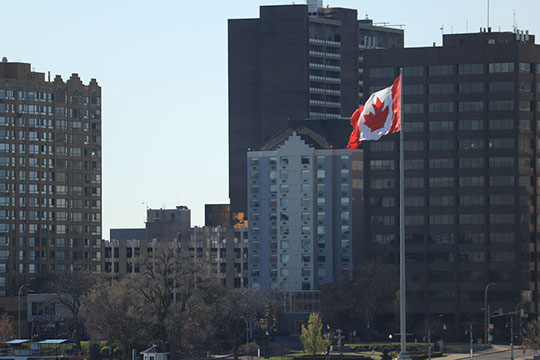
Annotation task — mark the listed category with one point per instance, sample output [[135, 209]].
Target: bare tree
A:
[[174, 288], [115, 311], [372, 292], [69, 290], [237, 309]]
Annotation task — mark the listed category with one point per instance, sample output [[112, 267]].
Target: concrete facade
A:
[[302, 202]]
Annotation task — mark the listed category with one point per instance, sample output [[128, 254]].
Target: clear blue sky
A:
[[162, 66]]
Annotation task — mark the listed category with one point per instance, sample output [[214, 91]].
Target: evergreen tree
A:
[[312, 339]]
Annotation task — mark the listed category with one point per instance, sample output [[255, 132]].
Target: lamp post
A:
[[19, 307], [486, 310], [428, 326], [247, 329]]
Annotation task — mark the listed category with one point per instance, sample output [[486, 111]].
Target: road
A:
[[497, 355]]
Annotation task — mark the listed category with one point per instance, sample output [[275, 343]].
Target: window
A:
[[465, 219], [382, 183], [305, 188], [501, 161], [413, 108], [305, 160], [414, 183], [471, 200], [436, 126], [417, 89], [413, 126], [414, 164], [471, 124], [501, 143], [413, 145], [414, 220], [284, 174], [501, 105], [437, 182], [382, 72], [283, 160], [471, 144], [441, 144], [471, 106], [382, 202], [441, 201], [442, 107], [305, 174], [440, 70], [501, 67], [379, 165], [501, 86], [441, 163], [441, 219], [501, 180], [320, 174], [470, 69], [471, 181], [501, 218], [501, 124], [381, 145], [445, 88], [413, 71]]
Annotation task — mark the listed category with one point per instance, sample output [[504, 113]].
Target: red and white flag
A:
[[380, 115]]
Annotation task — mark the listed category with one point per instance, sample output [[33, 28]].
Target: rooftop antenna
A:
[[514, 22], [466, 25], [488, 14]]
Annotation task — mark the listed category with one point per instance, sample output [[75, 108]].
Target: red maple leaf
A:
[[376, 120]]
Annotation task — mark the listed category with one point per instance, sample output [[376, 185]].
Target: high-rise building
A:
[[303, 196], [293, 62], [50, 177], [471, 175]]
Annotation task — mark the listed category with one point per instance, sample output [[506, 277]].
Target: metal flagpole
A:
[[402, 303]]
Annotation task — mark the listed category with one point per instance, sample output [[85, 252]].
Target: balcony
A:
[[324, 42], [324, 54]]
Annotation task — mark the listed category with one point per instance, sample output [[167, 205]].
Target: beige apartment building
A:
[[50, 179]]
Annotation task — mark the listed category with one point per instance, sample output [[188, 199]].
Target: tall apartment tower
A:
[[293, 62], [303, 197], [50, 176], [471, 111]]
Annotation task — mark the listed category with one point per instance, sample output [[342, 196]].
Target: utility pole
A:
[[511, 336]]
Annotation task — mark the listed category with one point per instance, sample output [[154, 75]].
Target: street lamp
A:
[[247, 329], [429, 333], [19, 307], [486, 310]]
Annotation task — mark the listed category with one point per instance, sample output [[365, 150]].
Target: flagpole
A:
[[402, 303]]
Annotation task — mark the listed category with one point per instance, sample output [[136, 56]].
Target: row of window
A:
[[447, 238], [446, 70], [466, 125], [304, 202], [411, 164], [448, 200], [446, 181], [446, 219], [284, 160], [468, 106], [464, 88]]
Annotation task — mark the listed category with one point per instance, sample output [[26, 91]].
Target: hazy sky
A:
[[162, 66]]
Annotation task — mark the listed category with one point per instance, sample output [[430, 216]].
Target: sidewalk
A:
[[518, 353]]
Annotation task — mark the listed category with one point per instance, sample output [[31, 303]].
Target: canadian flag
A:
[[380, 115]]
